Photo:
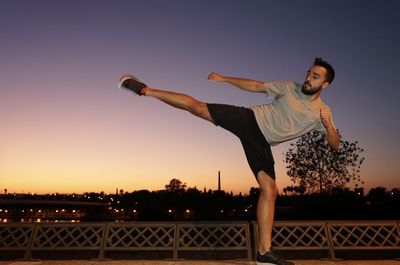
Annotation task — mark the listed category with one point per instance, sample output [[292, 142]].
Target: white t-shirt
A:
[[290, 115]]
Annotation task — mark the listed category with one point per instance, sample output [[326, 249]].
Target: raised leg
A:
[[180, 101]]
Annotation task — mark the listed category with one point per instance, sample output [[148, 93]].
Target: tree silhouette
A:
[[315, 167], [377, 194], [175, 185]]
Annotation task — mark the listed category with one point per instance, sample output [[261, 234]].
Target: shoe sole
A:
[[124, 78]]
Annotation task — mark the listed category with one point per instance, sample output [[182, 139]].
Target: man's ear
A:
[[325, 84]]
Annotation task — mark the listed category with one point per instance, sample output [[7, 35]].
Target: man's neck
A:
[[313, 97]]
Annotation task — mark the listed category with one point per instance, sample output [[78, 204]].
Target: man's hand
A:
[[332, 135], [326, 118], [215, 77]]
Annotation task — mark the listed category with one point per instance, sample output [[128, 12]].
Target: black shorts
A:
[[242, 122]]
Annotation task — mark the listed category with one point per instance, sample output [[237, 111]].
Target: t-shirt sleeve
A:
[[278, 88]]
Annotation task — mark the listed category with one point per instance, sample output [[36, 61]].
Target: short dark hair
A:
[[330, 72]]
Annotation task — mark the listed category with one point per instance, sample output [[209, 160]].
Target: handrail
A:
[[198, 236]]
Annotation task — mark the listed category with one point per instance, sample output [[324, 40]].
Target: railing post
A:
[[331, 251], [176, 241], [398, 235], [255, 237], [248, 241], [102, 255], [28, 251]]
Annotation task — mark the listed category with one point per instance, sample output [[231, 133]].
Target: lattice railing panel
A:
[[299, 235], [365, 235], [198, 236], [77, 236], [140, 236], [15, 236], [212, 236]]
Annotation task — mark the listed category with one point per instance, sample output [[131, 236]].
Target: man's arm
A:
[[242, 83], [332, 135]]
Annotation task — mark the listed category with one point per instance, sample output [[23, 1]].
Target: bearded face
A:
[[314, 81], [309, 90]]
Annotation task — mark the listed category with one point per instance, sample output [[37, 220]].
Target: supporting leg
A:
[[265, 210]]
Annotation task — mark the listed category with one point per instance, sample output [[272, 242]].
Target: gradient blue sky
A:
[[66, 127]]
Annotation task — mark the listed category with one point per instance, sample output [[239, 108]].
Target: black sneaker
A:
[[131, 83], [271, 258]]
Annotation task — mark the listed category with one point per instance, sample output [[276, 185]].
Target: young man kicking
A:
[[295, 110]]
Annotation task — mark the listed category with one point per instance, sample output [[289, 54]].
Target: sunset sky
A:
[[66, 127]]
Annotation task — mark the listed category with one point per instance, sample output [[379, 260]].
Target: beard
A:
[[309, 90]]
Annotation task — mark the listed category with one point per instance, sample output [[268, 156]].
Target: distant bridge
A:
[[49, 203]]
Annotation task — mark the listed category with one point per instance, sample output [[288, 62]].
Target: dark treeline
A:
[[192, 204]]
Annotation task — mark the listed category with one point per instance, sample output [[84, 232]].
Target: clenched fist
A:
[[215, 77], [326, 118]]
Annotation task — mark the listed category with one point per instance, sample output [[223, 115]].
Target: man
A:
[[295, 110]]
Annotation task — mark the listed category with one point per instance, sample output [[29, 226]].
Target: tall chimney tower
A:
[[219, 180]]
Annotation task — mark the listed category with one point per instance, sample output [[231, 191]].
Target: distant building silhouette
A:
[[219, 180]]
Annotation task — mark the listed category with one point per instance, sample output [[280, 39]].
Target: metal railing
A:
[[132, 236], [197, 236], [334, 235]]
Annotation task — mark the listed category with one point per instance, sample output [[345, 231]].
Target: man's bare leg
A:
[[265, 210], [180, 101]]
